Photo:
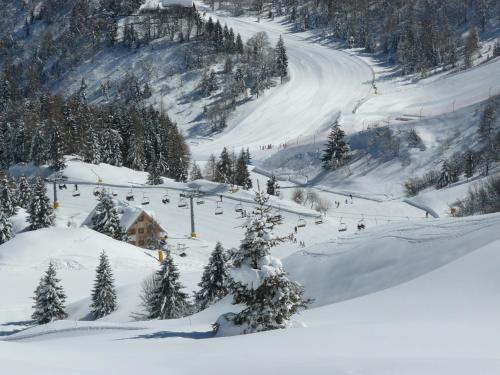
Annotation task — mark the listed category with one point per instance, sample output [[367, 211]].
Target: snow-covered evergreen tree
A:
[[168, 301], [7, 198], [447, 175], [104, 293], [5, 228], [257, 279], [154, 174], [213, 281], [281, 59], [49, 298], [195, 173], [242, 175], [273, 186], [106, 219], [224, 170], [336, 153], [40, 211], [56, 153], [23, 192]]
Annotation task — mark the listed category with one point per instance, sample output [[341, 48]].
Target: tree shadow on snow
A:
[[170, 334]]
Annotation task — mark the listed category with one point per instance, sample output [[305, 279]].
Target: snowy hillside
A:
[[306, 191]]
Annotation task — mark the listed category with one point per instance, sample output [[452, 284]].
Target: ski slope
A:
[[323, 82]]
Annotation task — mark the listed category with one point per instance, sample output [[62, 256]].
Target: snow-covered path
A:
[[323, 82]]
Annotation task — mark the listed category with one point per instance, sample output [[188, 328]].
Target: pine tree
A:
[[154, 175], [471, 47], [257, 280], [41, 214], [447, 176], [281, 59], [7, 198], [38, 152], [242, 175], [336, 153], [224, 167], [210, 170], [49, 298], [105, 219], [168, 301], [239, 44], [56, 153], [5, 228], [104, 293], [23, 192], [496, 48], [195, 173], [469, 166], [272, 186], [213, 281]]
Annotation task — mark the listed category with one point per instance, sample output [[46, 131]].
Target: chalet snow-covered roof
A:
[[162, 4], [128, 215]]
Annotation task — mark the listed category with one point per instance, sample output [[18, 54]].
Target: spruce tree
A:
[[104, 293], [49, 298], [336, 153], [257, 280], [7, 198], [471, 46], [213, 281], [272, 186], [195, 173], [5, 228], [469, 166], [154, 175], [224, 171], [168, 301], [40, 211], [239, 44], [281, 59], [106, 219], [23, 192], [56, 153], [242, 175]]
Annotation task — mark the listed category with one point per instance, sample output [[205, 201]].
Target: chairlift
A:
[[199, 200], [145, 199], [114, 193], [97, 191], [182, 203], [166, 198], [318, 220], [342, 226], [361, 224], [301, 223], [238, 207], [130, 196], [76, 193], [219, 210]]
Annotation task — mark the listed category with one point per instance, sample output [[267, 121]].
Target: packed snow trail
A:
[[323, 83]]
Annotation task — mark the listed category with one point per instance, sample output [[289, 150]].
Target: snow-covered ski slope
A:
[[326, 82], [412, 307], [323, 82]]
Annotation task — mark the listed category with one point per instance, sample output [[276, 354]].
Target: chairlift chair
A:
[[200, 201], [182, 203], [97, 191], [301, 223], [130, 196], [114, 193], [319, 220], [145, 199], [361, 224], [166, 198], [238, 207], [342, 226], [76, 193], [219, 210]]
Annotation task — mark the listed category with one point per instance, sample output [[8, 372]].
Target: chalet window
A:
[[141, 218], [141, 230], [150, 230], [131, 231]]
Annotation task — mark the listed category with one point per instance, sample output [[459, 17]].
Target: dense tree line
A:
[[43, 130], [229, 168]]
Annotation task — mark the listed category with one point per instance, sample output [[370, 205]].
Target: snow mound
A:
[[387, 256], [74, 248]]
